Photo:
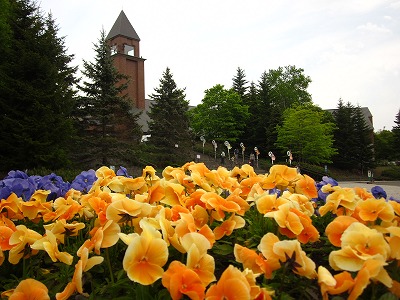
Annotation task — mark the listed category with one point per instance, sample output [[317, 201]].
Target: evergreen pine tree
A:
[[353, 138], [269, 114], [343, 136], [396, 136], [170, 142], [109, 133], [240, 83], [36, 91], [251, 131], [363, 154]]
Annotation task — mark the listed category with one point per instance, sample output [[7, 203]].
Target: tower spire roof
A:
[[123, 27]]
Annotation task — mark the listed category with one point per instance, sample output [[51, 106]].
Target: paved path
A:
[[392, 188]]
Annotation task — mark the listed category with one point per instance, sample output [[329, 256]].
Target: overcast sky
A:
[[349, 48]]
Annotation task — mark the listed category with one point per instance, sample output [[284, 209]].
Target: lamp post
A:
[[289, 153], [257, 153], [270, 154], [215, 149], [228, 146], [243, 148], [204, 141]]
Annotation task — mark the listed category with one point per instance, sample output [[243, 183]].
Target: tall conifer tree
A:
[[36, 91], [171, 141], [240, 83], [109, 133], [363, 138], [353, 138]]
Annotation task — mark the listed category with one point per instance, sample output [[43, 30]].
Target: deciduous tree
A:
[[307, 134], [221, 115]]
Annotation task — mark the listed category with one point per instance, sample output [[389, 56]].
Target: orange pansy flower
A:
[[102, 237], [395, 289], [126, 209], [19, 240], [335, 229], [372, 209], [200, 216], [253, 261], [363, 193], [49, 244], [196, 246], [371, 269], [289, 251], [180, 280], [174, 193], [344, 197], [83, 265], [104, 176], [36, 205], [11, 207], [227, 227], [155, 192], [231, 285], [219, 204], [334, 285], [286, 218], [394, 241], [61, 228], [247, 184], [309, 232], [66, 208], [306, 186], [303, 203], [30, 289], [267, 202], [266, 247], [5, 234], [280, 176], [359, 243], [145, 256]]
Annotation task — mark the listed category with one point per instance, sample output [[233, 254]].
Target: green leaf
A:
[[223, 249]]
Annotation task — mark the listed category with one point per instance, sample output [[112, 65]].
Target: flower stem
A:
[[109, 266]]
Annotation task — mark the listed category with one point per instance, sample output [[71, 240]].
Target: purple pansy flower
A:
[[378, 192], [84, 181], [325, 180], [123, 172]]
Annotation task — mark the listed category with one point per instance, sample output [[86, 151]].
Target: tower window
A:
[[114, 49], [129, 50]]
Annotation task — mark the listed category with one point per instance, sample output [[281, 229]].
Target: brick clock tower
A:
[[125, 50]]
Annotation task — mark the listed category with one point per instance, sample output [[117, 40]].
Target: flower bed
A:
[[196, 233]]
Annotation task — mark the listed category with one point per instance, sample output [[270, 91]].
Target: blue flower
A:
[[123, 172], [325, 180], [378, 192], [394, 199], [55, 184], [19, 183], [275, 191], [84, 181]]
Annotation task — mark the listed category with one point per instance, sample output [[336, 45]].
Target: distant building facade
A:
[[367, 116]]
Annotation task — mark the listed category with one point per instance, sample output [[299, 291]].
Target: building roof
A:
[[123, 27], [367, 116]]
